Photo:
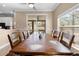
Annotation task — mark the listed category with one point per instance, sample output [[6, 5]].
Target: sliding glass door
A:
[[36, 23]]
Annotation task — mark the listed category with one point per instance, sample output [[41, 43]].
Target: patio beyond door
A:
[[36, 23]]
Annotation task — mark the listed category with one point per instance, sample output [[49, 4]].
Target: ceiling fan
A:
[[30, 5]]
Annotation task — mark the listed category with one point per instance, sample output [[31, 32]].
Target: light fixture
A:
[[31, 5]]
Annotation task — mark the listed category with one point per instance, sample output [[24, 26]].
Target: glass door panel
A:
[[36, 24]]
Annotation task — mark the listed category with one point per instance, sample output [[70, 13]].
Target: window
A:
[[66, 23], [69, 23]]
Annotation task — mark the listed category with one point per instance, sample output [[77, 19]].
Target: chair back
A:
[[57, 35], [25, 35], [60, 36], [67, 40], [14, 39]]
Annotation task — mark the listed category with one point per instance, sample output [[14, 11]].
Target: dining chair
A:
[[60, 36], [25, 34], [67, 40], [57, 35], [28, 34], [64, 43], [14, 39]]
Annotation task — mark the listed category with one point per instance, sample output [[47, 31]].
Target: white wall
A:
[[49, 23], [21, 19]]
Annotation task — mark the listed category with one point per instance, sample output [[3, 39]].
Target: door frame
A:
[[37, 15]]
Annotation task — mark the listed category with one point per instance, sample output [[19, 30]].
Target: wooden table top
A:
[[36, 45]]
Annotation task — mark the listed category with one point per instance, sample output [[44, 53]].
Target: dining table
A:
[[42, 44]]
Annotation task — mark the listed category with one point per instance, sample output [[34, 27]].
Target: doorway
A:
[[36, 23]]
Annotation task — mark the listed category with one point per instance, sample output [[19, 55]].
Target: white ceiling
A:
[[24, 7]]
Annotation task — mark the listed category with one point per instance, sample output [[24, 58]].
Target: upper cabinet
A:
[[6, 21]]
